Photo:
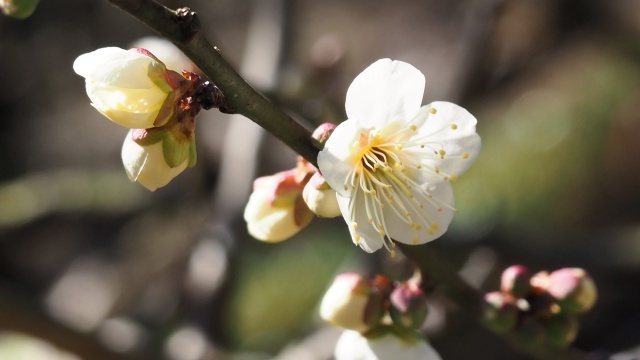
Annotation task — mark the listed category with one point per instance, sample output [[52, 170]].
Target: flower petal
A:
[[338, 158], [385, 91], [367, 236], [115, 66], [452, 129], [437, 208]]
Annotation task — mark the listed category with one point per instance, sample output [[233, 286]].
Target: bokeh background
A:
[[101, 267]]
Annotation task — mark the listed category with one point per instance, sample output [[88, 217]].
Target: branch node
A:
[[188, 21]]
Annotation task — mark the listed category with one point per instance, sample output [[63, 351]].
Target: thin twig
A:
[[182, 28]]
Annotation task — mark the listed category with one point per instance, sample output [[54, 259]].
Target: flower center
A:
[[384, 179]]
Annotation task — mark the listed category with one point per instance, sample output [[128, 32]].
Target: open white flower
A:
[[392, 161], [354, 346]]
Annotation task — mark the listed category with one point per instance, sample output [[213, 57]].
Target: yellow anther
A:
[[440, 209], [437, 170], [356, 238], [354, 225], [433, 110], [370, 220], [431, 232], [421, 206], [419, 167], [381, 233], [398, 146], [373, 193], [435, 226], [454, 127], [465, 155], [413, 128], [442, 153], [445, 178], [453, 178], [393, 245], [415, 240], [421, 146], [392, 253]]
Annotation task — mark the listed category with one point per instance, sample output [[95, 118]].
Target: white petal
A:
[[338, 158], [453, 129], [367, 236], [354, 346], [385, 91], [146, 164], [437, 209], [269, 223], [115, 66]]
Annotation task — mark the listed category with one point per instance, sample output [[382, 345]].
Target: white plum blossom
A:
[[392, 161], [354, 346]]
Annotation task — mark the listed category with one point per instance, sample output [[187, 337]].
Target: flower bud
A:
[[322, 132], [560, 330], [276, 210], [130, 87], [153, 157], [354, 346], [18, 9], [408, 305], [353, 302], [540, 283], [573, 289], [515, 280], [320, 197], [499, 311]]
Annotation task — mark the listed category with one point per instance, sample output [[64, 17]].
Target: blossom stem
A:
[[182, 28]]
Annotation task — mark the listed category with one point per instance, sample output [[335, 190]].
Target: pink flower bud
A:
[[353, 302], [515, 280], [560, 330], [499, 311], [573, 289], [276, 210], [130, 87], [322, 132], [408, 305]]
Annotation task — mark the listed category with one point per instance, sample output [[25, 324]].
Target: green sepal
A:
[[19, 9], [166, 110], [147, 137], [175, 152], [157, 75], [193, 155]]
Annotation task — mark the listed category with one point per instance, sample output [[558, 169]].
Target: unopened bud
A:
[[408, 305], [573, 289], [515, 280], [322, 132], [275, 210], [353, 302], [154, 157], [499, 311], [320, 197], [130, 87], [18, 9], [540, 283], [560, 330]]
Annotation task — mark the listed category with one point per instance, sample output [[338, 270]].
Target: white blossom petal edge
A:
[[354, 346], [392, 162]]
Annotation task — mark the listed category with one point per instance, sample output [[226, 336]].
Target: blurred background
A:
[[94, 267]]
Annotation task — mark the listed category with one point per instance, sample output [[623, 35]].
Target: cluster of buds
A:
[[380, 318], [134, 89], [539, 308], [284, 203]]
